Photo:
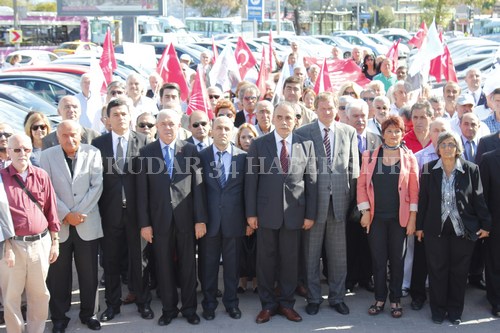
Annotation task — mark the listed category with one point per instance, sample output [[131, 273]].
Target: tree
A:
[[44, 7], [216, 8], [296, 6]]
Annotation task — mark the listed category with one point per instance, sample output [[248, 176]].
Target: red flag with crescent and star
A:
[[170, 70], [198, 99], [108, 60], [419, 37], [244, 57]]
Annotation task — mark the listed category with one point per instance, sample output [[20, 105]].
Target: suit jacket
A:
[[489, 167], [240, 119], [408, 184], [79, 193], [339, 179], [486, 144], [163, 200], [372, 142], [110, 204], [226, 206], [279, 199], [88, 135], [469, 198], [191, 140]]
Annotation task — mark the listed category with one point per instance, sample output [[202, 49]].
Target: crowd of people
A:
[[376, 187]]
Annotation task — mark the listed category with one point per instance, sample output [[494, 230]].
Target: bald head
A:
[[69, 108], [20, 148], [69, 136]]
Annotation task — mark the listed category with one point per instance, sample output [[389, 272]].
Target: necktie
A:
[[284, 157], [250, 118], [221, 172], [2, 164], [168, 160], [360, 144], [471, 154], [328, 149], [120, 161], [201, 145]]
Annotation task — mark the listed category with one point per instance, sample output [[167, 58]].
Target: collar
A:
[[464, 139], [228, 150], [171, 145], [323, 126], [278, 139], [458, 165], [76, 153], [12, 171], [125, 136]]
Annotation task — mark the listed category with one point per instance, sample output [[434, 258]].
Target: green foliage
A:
[[385, 17], [44, 7], [438, 9], [216, 8]]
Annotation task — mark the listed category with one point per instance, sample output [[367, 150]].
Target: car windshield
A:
[[69, 46], [31, 101]]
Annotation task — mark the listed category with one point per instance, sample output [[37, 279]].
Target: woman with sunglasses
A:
[[350, 88], [37, 126], [369, 68], [452, 216]]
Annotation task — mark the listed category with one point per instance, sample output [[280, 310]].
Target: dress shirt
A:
[[254, 117], [331, 135], [259, 131], [374, 126], [28, 219], [482, 112], [206, 143], [226, 159], [426, 155], [288, 140], [124, 142], [449, 207], [475, 142], [492, 123]]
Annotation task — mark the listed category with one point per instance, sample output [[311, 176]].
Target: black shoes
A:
[[341, 308], [193, 319], [145, 311], [59, 326], [208, 314], [109, 314], [312, 308], [92, 323], [416, 304], [234, 313], [437, 319], [496, 311], [456, 321], [479, 284], [166, 319]]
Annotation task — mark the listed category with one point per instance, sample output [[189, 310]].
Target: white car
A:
[[33, 57]]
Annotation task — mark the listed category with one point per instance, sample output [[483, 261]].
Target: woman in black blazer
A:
[[452, 214]]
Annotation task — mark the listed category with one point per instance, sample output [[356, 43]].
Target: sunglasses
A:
[[298, 116], [214, 96], [350, 93], [149, 125], [368, 99], [198, 123], [6, 134], [38, 127], [229, 115], [343, 108], [116, 92], [18, 150], [250, 98], [381, 107]]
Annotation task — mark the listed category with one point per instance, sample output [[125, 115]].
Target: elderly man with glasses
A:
[[199, 125], [381, 105]]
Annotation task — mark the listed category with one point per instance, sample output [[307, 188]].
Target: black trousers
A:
[[60, 277], [175, 254], [476, 268], [117, 236], [277, 259], [492, 269], [448, 261], [387, 241], [210, 250], [359, 260], [419, 272]]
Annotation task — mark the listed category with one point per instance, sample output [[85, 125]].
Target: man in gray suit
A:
[[76, 173], [336, 147], [280, 197], [223, 175], [69, 108]]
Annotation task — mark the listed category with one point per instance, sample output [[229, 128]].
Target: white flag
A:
[[431, 48], [225, 72]]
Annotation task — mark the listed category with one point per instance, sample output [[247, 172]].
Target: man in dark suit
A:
[[173, 214], [223, 175], [486, 144], [248, 96], [199, 125], [489, 166], [118, 207], [473, 80], [280, 197], [359, 263], [335, 145], [69, 109]]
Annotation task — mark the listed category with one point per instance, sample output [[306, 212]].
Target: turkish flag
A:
[[244, 57], [449, 70], [393, 54], [419, 37], [198, 99], [170, 70], [108, 60], [263, 75]]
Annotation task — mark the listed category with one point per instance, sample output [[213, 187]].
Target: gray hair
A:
[[447, 135], [357, 104]]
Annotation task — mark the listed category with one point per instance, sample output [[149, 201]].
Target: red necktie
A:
[[250, 117], [284, 157]]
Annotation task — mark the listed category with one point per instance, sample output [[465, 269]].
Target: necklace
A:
[[385, 146]]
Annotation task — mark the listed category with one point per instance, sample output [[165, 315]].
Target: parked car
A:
[[403, 50], [78, 47], [364, 41], [33, 57], [14, 114], [344, 46]]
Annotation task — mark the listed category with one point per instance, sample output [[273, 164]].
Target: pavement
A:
[[476, 318]]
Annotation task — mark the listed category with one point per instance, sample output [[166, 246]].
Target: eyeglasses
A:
[[298, 116], [381, 107], [38, 127], [149, 125], [198, 123], [229, 115], [350, 93], [6, 134], [214, 96], [116, 92], [368, 99], [18, 150], [343, 108], [450, 145], [250, 98]]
